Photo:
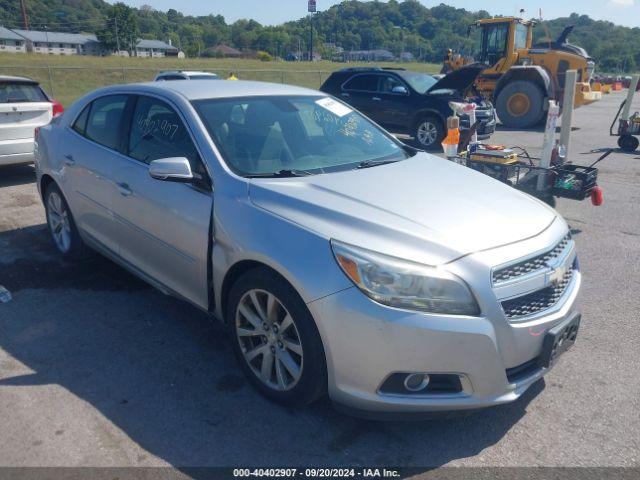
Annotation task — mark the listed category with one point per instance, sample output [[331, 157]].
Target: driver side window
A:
[[158, 132]]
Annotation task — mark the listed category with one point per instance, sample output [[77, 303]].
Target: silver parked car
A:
[[340, 259], [24, 107], [185, 75]]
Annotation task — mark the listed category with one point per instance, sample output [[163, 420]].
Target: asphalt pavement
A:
[[98, 369]]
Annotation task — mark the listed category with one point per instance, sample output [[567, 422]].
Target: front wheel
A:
[[520, 104], [275, 339], [428, 132]]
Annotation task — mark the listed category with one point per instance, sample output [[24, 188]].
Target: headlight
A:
[[404, 284]]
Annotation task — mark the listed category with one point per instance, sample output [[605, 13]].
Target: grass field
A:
[[68, 77]]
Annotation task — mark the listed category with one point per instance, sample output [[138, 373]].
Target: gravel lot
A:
[[98, 369]]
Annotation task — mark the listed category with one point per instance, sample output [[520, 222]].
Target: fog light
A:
[[414, 382]]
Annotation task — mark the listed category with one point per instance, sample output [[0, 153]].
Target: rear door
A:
[[89, 154], [23, 107], [163, 227], [361, 92]]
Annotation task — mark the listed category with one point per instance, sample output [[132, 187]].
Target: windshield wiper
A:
[[375, 163], [282, 174]]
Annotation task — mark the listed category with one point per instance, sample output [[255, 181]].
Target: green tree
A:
[[121, 30]]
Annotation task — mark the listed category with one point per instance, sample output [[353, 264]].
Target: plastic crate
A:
[[574, 181]]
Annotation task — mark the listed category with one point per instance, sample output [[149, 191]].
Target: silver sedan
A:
[[341, 260]]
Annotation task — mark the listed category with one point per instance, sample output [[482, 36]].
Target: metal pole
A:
[[549, 141], [567, 109], [115, 19], [311, 36], [632, 89], [53, 93]]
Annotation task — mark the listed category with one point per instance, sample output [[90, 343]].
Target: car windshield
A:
[[14, 92], [263, 136], [420, 82]]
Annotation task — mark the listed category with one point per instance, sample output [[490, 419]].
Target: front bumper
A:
[[486, 126], [366, 342]]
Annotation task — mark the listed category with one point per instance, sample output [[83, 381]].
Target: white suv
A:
[[24, 106]]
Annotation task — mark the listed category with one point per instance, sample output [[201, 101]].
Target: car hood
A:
[[425, 208], [458, 80]]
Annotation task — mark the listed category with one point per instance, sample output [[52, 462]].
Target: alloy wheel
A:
[[59, 223], [269, 340], [427, 133]]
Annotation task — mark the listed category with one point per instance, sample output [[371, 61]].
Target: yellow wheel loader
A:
[[520, 77]]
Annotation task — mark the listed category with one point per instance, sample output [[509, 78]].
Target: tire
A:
[[62, 227], [262, 345], [428, 132], [520, 104], [628, 143]]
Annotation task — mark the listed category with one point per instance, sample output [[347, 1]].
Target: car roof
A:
[[9, 78], [222, 89]]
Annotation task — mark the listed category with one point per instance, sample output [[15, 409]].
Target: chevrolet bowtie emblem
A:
[[556, 275]]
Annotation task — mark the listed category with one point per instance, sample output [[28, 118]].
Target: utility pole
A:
[[115, 19], [311, 37], [25, 17]]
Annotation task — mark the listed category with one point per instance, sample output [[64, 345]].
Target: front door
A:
[[163, 226], [394, 104]]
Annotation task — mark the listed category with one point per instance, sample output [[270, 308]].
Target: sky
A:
[[272, 12]]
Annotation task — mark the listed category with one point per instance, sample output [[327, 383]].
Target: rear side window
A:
[[158, 132], [105, 120], [80, 125], [15, 92], [171, 77], [363, 83]]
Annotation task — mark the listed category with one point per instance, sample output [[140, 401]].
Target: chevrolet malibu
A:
[[340, 260]]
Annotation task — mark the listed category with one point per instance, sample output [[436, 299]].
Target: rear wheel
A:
[[428, 132], [275, 339], [628, 143], [520, 104], [62, 227]]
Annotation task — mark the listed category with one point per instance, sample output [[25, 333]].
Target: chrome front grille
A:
[[530, 265], [539, 300]]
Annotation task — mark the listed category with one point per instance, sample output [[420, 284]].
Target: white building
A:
[[59, 43], [11, 42], [155, 49]]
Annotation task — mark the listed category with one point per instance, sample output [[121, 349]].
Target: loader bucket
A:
[[585, 95]]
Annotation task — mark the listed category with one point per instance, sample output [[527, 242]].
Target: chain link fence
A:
[[66, 84]]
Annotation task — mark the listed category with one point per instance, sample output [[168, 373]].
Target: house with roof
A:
[[60, 43], [11, 42], [226, 51], [379, 55], [155, 49]]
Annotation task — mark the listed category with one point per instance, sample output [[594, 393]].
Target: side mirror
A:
[[400, 89], [175, 169]]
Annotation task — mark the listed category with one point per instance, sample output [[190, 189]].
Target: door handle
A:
[[124, 189], [376, 99], [69, 160], [344, 94]]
